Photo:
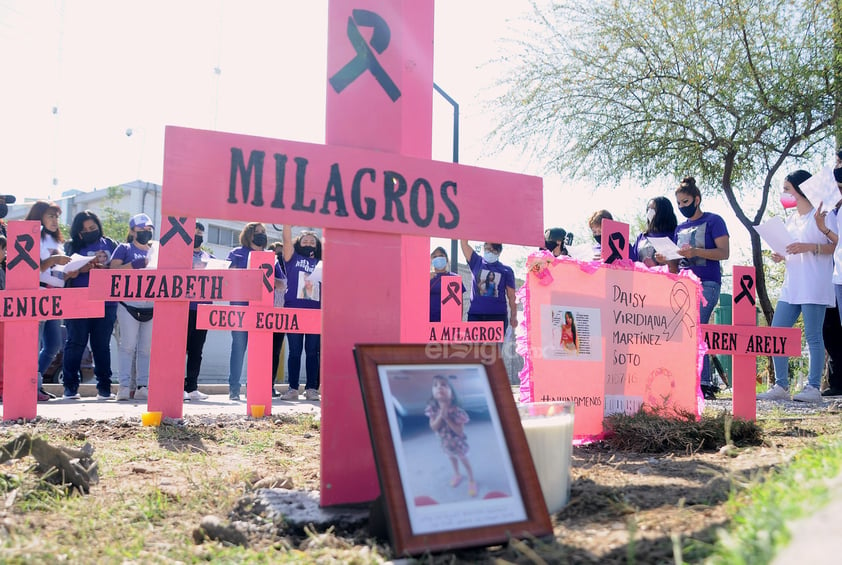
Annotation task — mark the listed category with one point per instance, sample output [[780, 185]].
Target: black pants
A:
[[195, 344], [832, 334]]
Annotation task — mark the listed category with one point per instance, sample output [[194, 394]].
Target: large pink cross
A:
[[377, 193], [260, 319], [172, 286], [24, 305]]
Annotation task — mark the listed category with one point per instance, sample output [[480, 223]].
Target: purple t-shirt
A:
[[642, 249], [128, 252], [702, 233], [303, 289], [104, 248], [488, 289]]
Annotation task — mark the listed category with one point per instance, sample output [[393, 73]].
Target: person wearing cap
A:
[[703, 242], [134, 317], [807, 290], [52, 256]]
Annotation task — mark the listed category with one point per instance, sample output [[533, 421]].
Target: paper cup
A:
[[151, 418], [257, 410], [549, 432]]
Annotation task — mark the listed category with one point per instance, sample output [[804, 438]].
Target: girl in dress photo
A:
[[448, 419]]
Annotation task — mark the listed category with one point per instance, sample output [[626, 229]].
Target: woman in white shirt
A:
[[807, 289], [52, 255]]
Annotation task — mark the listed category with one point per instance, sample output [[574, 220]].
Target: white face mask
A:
[[650, 213], [490, 257]]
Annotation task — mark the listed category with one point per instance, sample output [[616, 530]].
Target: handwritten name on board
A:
[[465, 331], [177, 285]]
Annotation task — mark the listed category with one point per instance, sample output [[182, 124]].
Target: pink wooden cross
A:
[[172, 286], [24, 305], [452, 328], [375, 191], [260, 319], [745, 341]]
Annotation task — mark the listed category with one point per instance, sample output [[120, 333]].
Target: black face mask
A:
[[598, 239], [143, 237], [198, 241], [550, 245], [687, 211], [89, 237], [259, 239], [306, 250]]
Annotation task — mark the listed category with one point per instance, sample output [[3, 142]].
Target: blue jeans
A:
[[710, 290], [785, 316], [311, 344], [838, 289], [239, 342], [49, 338], [79, 331]]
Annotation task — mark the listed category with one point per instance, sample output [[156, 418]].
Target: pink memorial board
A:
[[609, 338]]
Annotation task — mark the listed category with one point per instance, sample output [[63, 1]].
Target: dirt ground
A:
[[620, 501]]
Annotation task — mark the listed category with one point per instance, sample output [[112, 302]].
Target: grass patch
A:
[[653, 432], [761, 511]]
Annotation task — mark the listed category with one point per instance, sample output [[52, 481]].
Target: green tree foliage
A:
[[115, 222], [727, 91]]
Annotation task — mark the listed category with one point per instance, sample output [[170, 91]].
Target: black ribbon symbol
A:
[[616, 242], [365, 59], [23, 251], [746, 284], [268, 273], [452, 292], [176, 229]]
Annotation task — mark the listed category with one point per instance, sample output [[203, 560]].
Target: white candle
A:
[[550, 441]]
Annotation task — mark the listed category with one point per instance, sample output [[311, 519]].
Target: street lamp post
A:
[[454, 244]]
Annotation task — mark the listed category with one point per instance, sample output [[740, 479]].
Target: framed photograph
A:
[[454, 466]]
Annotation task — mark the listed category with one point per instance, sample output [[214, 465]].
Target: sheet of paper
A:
[[581, 252], [822, 187], [665, 246], [76, 262], [775, 234], [217, 264]]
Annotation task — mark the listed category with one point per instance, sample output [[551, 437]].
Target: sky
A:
[[89, 86]]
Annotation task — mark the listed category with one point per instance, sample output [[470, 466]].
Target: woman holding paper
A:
[[807, 290], [703, 243], [660, 222], [51, 256]]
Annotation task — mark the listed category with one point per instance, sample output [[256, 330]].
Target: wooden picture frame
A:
[[428, 507]]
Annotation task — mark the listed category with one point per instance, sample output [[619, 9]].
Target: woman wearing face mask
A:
[[134, 317], [438, 262], [252, 238], [491, 308], [302, 257], [660, 222], [87, 240], [703, 243], [52, 256], [807, 289]]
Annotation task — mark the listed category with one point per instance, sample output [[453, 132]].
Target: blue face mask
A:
[[439, 263], [490, 257]]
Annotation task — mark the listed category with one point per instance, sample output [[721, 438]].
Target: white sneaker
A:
[[291, 394], [808, 394], [185, 396], [777, 392], [311, 394], [123, 393], [142, 393], [196, 395]]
